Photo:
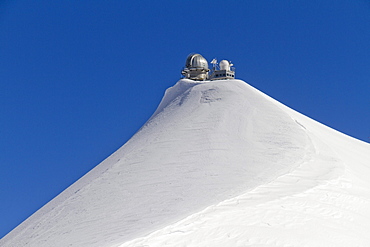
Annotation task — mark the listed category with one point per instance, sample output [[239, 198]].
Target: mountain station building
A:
[[196, 68]]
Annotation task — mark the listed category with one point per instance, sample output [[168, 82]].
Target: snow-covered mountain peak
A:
[[218, 164]]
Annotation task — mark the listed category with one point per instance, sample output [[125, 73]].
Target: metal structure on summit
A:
[[222, 71], [196, 68]]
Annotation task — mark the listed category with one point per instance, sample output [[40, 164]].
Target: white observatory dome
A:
[[196, 61], [224, 65]]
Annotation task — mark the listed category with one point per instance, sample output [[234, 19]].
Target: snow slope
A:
[[218, 164]]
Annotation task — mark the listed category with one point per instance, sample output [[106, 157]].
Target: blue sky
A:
[[79, 78]]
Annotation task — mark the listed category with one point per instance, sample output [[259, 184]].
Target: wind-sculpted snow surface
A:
[[218, 164]]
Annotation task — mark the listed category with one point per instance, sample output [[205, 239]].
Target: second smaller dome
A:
[[224, 65]]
